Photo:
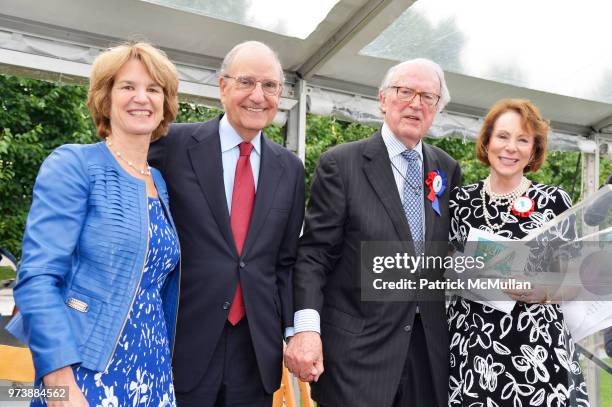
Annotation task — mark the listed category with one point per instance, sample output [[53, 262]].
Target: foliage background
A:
[[38, 116]]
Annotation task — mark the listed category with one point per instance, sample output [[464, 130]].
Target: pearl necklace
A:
[[501, 200], [142, 171]]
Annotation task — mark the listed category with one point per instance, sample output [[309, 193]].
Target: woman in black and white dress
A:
[[527, 357]]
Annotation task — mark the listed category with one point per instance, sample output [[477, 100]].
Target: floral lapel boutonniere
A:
[[436, 182]]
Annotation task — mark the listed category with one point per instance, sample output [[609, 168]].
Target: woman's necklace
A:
[[143, 171], [501, 200]]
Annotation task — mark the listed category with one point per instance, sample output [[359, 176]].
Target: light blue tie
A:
[[412, 198]]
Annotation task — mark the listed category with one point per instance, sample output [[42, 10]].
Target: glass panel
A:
[[293, 18], [560, 47]]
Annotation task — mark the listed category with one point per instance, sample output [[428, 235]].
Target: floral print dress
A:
[[527, 357], [139, 373]]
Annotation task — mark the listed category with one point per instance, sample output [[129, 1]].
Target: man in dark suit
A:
[[377, 353], [237, 199]]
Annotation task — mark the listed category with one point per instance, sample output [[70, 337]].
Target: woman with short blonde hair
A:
[[98, 282]]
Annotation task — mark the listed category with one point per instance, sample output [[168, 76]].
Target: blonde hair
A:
[[103, 74]]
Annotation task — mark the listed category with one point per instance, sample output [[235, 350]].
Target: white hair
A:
[[424, 62], [231, 55]]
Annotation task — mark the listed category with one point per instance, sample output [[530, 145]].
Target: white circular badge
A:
[[523, 204], [437, 184]]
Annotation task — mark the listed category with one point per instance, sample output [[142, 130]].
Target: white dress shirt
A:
[[230, 153]]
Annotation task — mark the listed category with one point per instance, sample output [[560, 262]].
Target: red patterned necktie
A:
[[243, 198]]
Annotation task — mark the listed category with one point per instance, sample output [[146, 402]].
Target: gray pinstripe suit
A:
[[355, 199]]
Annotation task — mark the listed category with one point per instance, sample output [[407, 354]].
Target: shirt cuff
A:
[[289, 332], [307, 320]]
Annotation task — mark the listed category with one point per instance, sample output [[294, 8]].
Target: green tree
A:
[[35, 117], [322, 133]]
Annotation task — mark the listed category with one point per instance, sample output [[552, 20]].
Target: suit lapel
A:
[[205, 157], [270, 172], [430, 163], [377, 169]]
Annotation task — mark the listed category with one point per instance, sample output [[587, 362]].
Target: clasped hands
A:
[[304, 356]]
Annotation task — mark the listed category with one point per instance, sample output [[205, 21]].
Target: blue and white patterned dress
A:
[[139, 373]]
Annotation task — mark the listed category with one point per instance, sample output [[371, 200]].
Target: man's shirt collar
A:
[[231, 139], [394, 146]]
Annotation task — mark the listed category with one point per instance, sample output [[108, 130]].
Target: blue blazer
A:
[[84, 250]]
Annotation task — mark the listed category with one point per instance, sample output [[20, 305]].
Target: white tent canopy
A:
[[335, 53]]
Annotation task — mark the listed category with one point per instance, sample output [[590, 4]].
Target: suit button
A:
[[226, 305], [242, 264], [408, 328]]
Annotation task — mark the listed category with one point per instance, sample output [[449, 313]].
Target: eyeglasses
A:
[[407, 94], [269, 86]]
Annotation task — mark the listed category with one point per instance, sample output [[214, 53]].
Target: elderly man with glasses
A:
[[238, 202], [391, 187]]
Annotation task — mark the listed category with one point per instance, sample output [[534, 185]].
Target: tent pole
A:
[[296, 123]]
